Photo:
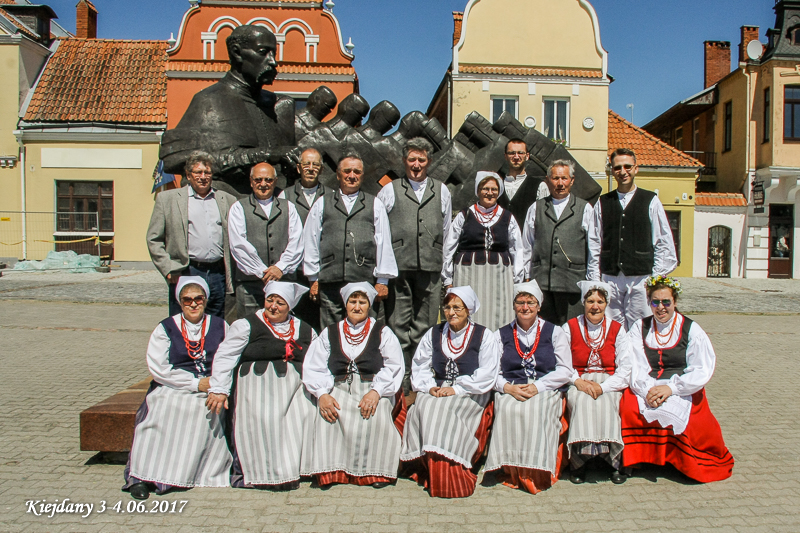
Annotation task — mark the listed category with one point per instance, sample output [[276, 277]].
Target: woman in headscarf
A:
[[355, 370], [257, 376], [453, 371], [483, 250], [179, 357], [602, 371], [672, 360], [529, 433]]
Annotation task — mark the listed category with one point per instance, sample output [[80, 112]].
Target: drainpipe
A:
[[747, 186], [22, 162], [450, 106]]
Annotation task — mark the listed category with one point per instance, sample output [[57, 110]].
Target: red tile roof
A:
[[650, 151], [283, 68], [99, 80], [530, 71], [720, 199]]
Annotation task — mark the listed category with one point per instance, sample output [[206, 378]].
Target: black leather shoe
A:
[[140, 491], [380, 484], [618, 478], [578, 476]]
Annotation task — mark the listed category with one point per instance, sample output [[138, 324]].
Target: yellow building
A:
[[504, 59]]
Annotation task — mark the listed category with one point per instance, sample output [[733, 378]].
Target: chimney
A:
[[86, 21], [458, 19], [749, 33], [717, 61]]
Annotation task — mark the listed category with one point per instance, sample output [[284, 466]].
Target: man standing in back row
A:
[[629, 241], [520, 191]]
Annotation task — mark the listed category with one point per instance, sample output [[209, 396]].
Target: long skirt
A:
[[494, 285], [528, 440], [273, 417], [699, 452], [594, 425], [178, 442], [354, 450], [443, 439]]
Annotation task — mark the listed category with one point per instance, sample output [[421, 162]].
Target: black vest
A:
[[179, 355], [467, 362], [670, 362], [511, 363], [560, 246], [263, 347], [347, 252], [369, 362], [295, 195], [472, 241], [269, 237], [523, 199], [417, 232], [627, 235]]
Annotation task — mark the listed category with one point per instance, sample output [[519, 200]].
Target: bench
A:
[[108, 426]]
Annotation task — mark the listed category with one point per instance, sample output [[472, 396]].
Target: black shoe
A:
[[140, 491], [578, 476], [618, 478], [380, 484]]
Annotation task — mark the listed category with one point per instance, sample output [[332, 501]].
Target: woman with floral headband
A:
[[665, 414]]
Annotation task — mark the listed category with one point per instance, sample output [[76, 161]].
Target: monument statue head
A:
[[352, 110], [383, 117], [321, 102], [251, 50]]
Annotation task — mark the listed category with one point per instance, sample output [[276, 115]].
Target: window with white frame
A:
[[504, 103], [556, 119]]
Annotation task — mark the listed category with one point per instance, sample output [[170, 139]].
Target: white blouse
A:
[[479, 382], [318, 379], [553, 380], [622, 359], [230, 351], [515, 247], [158, 356]]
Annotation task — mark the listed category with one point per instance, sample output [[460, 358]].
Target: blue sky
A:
[[403, 47]]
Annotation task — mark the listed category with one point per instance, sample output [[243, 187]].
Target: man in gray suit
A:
[[556, 246], [188, 234]]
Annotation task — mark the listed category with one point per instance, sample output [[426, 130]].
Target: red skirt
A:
[[340, 476], [530, 479], [699, 452], [445, 478]]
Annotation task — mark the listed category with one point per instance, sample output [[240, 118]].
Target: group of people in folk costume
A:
[[522, 375]]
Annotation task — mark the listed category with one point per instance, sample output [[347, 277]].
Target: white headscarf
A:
[[362, 286], [480, 176], [530, 287], [291, 292], [467, 296], [587, 285], [187, 280]]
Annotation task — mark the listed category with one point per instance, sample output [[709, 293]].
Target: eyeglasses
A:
[[523, 304], [618, 168], [201, 173], [454, 308], [516, 153], [265, 180], [665, 303], [187, 301]]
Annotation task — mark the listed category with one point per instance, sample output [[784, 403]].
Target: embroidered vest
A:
[[179, 356], [467, 362], [263, 345], [369, 362], [472, 241], [511, 363], [666, 362], [581, 351]]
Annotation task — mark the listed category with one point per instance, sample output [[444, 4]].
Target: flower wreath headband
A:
[[672, 283]]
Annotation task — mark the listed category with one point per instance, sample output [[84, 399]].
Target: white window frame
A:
[[557, 99], [504, 98]]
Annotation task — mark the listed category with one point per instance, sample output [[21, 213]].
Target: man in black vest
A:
[[555, 241], [420, 210], [347, 239], [520, 191], [266, 240], [629, 241]]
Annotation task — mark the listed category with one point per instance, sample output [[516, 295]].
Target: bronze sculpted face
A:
[[256, 58]]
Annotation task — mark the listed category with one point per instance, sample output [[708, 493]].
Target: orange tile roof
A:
[[283, 68], [100, 80], [650, 151], [531, 71], [720, 199]]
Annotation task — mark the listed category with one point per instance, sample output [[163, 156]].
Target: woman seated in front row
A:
[[602, 370], [179, 356], [453, 371], [529, 428], [355, 370], [672, 361], [257, 376]]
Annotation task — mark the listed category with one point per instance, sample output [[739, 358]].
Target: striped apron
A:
[[594, 425]]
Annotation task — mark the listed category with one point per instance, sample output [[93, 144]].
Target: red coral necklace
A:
[[194, 348]]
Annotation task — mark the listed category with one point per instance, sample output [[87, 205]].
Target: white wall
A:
[[706, 218]]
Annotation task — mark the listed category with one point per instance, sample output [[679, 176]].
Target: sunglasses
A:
[[188, 300], [265, 180], [665, 303], [620, 167]]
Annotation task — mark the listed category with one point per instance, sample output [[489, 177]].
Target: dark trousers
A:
[[331, 306], [306, 310], [214, 274], [411, 310], [249, 297], [559, 307]]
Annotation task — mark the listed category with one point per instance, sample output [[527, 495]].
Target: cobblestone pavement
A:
[[59, 358]]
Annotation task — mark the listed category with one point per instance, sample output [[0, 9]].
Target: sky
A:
[[403, 47]]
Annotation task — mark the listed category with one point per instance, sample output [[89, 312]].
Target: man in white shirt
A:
[[520, 190], [629, 241], [266, 241], [347, 239]]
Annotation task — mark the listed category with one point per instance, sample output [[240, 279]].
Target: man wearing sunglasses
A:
[[266, 236], [188, 234], [629, 240]]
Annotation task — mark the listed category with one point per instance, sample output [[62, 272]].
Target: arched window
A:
[[719, 252]]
